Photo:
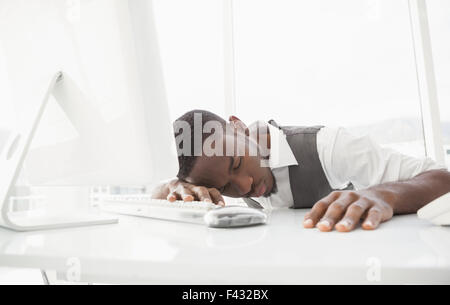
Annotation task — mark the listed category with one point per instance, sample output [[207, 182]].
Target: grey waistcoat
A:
[[307, 179]]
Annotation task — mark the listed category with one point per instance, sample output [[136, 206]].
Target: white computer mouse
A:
[[234, 216], [437, 211]]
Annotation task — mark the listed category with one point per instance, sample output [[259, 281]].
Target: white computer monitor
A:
[[122, 147], [105, 119], [109, 123], [126, 150]]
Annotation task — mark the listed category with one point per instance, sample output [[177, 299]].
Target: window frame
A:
[[424, 66]]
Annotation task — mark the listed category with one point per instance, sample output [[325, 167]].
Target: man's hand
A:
[[179, 190], [344, 210]]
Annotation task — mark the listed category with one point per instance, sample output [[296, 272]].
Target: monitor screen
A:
[[107, 121]]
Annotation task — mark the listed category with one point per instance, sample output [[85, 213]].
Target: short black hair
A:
[[186, 163]]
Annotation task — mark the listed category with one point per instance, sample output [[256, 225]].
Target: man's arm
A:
[[386, 182], [410, 195], [345, 209]]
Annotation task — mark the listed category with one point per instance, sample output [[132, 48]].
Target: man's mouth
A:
[[259, 191]]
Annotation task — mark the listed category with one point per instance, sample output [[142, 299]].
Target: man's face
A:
[[240, 175]]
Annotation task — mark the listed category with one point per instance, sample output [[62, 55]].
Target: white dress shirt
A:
[[345, 158]]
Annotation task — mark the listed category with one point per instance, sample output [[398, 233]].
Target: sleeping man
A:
[[345, 180]]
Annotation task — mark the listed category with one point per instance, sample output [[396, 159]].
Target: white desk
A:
[[140, 250]]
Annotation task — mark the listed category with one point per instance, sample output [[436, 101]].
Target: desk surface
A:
[[140, 250]]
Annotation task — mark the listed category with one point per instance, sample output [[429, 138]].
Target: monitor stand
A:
[[11, 163]]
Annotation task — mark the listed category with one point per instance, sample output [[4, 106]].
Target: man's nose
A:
[[242, 184]]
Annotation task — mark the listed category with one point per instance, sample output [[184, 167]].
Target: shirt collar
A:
[[281, 154]]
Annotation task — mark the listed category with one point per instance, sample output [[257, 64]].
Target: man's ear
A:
[[234, 120]]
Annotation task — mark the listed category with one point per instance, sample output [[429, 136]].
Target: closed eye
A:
[[234, 167], [239, 164]]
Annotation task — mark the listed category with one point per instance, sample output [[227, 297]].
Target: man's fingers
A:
[[202, 193], [181, 192], [353, 216], [186, 194], [216, 196], [318, 210], [373, 219], [335, 212], [173, 196]]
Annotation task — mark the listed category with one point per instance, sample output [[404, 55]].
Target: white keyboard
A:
[[145, 206]]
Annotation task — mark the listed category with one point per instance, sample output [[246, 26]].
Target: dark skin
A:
[[242, 176]]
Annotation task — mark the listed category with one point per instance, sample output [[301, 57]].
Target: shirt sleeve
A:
[[360, 160]]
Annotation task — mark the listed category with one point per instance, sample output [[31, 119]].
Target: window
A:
[[343, 63], [335, 63], [438, 13], [190, 39]]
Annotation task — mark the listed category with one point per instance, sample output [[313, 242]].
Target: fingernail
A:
[[345, 223], [207, 200], [369, 223], [308, 223], [222, 203], [324, 223]]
